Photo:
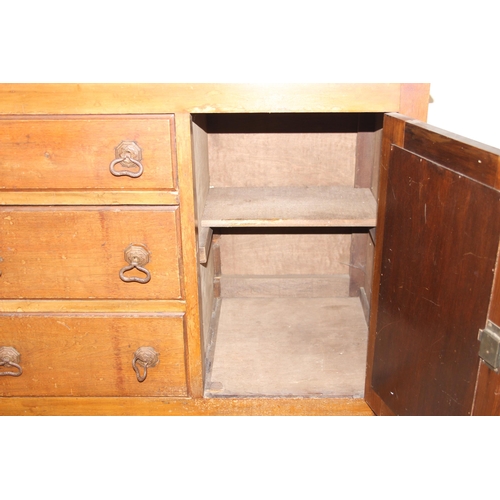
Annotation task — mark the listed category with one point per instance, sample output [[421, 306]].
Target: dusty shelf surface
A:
[[290, 347], [334, 206]]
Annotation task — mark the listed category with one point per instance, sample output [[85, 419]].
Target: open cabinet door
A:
[[487, 398], [438, 232]]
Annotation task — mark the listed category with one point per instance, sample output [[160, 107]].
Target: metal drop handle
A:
[[10, 357], [137, 256], [146, 357], [129, 155]]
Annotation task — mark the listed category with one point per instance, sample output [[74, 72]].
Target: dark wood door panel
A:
[[487, 398], [473, 159], [438, 257]]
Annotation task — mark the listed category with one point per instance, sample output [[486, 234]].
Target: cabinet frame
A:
[[185, 100]]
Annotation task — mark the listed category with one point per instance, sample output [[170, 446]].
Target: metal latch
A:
[[489, 349]]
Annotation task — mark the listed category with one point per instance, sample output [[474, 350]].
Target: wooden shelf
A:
[[305, 347], [333, 206]]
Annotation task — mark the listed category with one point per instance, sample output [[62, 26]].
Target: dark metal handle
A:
[[146, 357], [137, 256], [129, 279], [129, 154], [126, 172], [10, 357]]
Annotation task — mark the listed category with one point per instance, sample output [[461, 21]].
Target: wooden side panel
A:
[[393, 133], [77, 253], [189, 254], [75, 152], [436, 277], [85, 355], [200, 169]]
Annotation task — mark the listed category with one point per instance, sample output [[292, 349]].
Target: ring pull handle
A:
[[137, 256], [129, 155], [10, 357], [146, 357]]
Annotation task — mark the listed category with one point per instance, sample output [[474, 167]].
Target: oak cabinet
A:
[[300, 249]]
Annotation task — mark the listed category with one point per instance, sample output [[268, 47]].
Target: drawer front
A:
[[77, 355], [77, 152], [74, 253]]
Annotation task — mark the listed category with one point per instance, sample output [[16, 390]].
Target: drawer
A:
[[78, 355], [80, 253], [70, 152]]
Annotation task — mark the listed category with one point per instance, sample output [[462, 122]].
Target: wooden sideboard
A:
[[220, 249]]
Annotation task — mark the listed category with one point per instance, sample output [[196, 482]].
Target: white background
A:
[[452, 45]]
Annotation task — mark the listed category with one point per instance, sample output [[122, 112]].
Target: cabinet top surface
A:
[[72, 98]]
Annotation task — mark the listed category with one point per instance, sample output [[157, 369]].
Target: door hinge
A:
[[489, 349]]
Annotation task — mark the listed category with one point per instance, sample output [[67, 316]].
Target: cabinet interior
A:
[[286, 210]]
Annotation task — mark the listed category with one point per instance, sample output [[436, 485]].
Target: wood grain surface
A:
[[335, 206], [75, 152], [436, 279], [91, 355], [77, 253], [185, 407]]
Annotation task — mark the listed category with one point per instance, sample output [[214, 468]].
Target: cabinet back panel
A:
[[275, 253], [275, 160]]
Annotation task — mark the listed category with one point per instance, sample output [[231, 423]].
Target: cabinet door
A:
[[437, 241]]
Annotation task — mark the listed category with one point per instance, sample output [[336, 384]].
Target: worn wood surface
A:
[[277, 251], [335, 206], [77, 253], [303, 285], [414, 100], [200, 98], [436, 277], [188, 257], [182, 99], [205, 237], [290, 347], [368, 282], [358, 262], [282, 159], [186, 407], [487, 398], [473, 159], [91, 355], [368, 141], [78, 197], [394, 129], [74, 152], [90, 306]]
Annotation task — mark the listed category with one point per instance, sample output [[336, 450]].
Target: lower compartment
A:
[[306, 347]]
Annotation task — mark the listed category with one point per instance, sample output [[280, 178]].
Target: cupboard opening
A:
[[286, 210]]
